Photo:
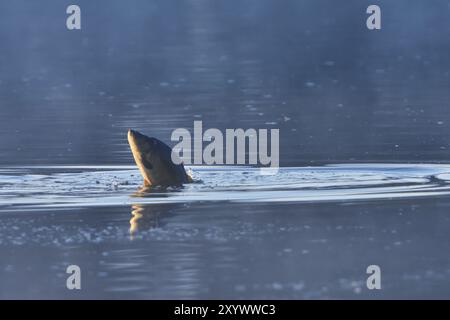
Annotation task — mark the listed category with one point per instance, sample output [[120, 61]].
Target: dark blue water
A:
[[375, 104]]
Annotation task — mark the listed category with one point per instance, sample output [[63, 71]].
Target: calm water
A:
[[364, 147]]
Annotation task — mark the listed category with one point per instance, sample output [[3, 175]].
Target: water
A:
[[364, 149], [87, 186], [305, 232]]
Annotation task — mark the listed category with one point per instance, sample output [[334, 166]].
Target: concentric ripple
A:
[[68, 186]]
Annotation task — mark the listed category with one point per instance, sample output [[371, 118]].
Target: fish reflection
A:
[[144, 217], [149, 216]]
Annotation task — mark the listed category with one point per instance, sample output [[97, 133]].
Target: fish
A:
[[155, 161]]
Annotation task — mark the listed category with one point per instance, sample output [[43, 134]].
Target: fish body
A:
[[154, 160]]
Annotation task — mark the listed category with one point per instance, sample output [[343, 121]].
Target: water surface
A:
[[306, 232], [364, 148]]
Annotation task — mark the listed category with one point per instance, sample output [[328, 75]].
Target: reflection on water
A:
[[149, 216], [137, 213], [145, 217], [303, 233], [230, 250]]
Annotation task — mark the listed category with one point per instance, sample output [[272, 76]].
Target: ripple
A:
[[84, 186]]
